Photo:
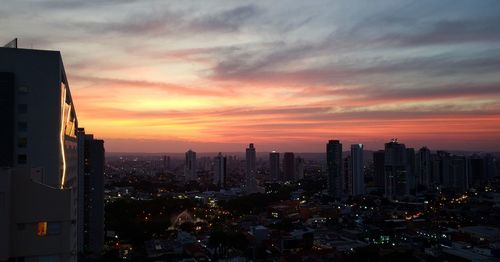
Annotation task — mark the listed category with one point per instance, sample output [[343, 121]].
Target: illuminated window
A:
[[22, 142], [42, 229]]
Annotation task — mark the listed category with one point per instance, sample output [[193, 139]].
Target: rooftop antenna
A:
[[12, 44]]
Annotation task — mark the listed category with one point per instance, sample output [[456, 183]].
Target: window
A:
[[41, 229], [53, 228], [22, 126], [22, 108], [2, 200], [21, 226], [22, 159], [53, 258], [22, 142], [23, 89]]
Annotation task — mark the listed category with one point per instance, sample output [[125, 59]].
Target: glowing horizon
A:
[[156, 77]]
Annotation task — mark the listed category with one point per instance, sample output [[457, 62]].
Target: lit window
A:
[[42, 229], [22, 142]]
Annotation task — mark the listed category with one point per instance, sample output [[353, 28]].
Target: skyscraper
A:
[[460, 174], [334, 167], [299, 167], [289, 166], [38, 156], [396, 180], [423, 167], [274, 165], [378, 168], [190, 166], [220, 171], [250, 174], [410, 171], [358, 179], [91, 196]]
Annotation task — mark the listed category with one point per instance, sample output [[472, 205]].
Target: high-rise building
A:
[[423, 168], [91, 195], [289, 166], [190, 166], [410, 171], [299, 167], [459, 171], [250, 171], [347, 177], [38, 156], [378, 168], [220, 170], [334, 167], [357, 167], [165, 163], [274, 165], [396, 179], [445, 179]]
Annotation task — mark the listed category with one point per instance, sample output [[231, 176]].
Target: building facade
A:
[[289, 166], [190, 166], [274, 165], [250, 169], [38, 157], [358, 178], [91, 195], [334, 168], [220, 170]]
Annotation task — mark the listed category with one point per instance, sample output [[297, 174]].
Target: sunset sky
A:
[[166, 76]]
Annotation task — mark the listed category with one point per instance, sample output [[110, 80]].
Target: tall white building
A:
[[250, 174], [358, 180], [220, 170], [38, 158], [190, 166]]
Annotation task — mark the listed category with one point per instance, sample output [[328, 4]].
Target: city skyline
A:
[[216, 76]]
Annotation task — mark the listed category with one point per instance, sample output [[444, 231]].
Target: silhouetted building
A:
[[379, 168], [423, 168], [38, 158], [445, 176], [460, 173], [251, 172], [165, 163], [274, 165], [347, 179], [396, 180], [410, 171], [357, 167], [90, 195], [334, 167], [289, 166], [190, 166], [220, 170], [299, 168]]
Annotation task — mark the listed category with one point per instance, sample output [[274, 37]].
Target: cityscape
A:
[[249, 131]]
